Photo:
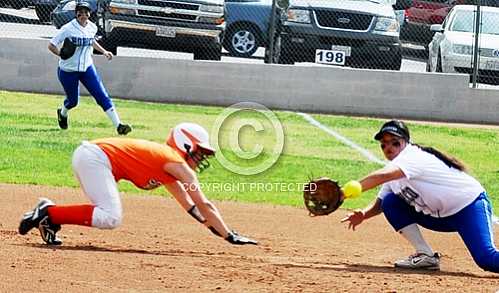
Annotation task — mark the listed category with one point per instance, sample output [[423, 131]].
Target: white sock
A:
[[64, 111], [414, 236], [113, 115]]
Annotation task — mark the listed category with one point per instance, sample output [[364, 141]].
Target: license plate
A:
[[330, 57], [165, 31], [492, 65], [346, 49]]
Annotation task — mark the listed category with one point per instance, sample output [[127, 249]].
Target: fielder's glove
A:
[[67, 50], [322, 196]]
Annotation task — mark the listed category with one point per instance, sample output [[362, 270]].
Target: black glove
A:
[[67, 50], [237, 239]]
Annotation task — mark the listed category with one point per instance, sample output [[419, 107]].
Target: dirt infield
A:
[[159, 248]]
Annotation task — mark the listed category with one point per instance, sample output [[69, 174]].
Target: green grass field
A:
[[35, 151]]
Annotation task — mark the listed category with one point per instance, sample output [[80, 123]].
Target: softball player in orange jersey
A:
[[99, 164]]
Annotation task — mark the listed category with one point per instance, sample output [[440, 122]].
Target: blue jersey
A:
[[83, 37]]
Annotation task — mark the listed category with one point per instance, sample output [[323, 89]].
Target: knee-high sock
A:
[[73, 214], [113, 115], [64, 111], [414, 236]]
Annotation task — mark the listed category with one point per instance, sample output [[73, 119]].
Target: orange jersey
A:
[[139, 161]]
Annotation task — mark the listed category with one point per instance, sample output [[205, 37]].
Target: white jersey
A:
[[430, 185], [83, 38]]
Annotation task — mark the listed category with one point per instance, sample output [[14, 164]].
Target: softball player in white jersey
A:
[[423, 186], [80, 67]]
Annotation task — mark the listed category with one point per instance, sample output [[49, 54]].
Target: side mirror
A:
[[437, 28], [402, 4]]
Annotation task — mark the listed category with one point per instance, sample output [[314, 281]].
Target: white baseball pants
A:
[[92, 168]]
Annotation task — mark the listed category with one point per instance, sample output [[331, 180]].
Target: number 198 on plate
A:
[[330, 57]]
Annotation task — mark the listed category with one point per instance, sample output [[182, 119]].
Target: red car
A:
[[424, 13]]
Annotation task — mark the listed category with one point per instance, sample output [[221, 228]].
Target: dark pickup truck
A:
[[194, 26], [358, 33]]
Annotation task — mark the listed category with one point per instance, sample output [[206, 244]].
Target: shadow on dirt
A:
[[93, 248], [279, 262], [362, 268]]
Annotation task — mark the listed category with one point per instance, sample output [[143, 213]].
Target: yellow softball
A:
[[352, 189]]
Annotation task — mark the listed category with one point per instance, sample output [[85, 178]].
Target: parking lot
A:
[[23, 23]]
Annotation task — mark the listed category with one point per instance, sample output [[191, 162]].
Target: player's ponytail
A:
[[450, 161]]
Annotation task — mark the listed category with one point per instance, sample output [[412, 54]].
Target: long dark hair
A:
[[450, 161]]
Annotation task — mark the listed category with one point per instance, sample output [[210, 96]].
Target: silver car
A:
[[452, 47]]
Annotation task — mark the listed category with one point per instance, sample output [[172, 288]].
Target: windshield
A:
[[464, 21]]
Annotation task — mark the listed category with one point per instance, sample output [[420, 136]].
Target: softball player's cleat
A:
[[123, 129], [32, 219], [48, 231], [62, 120], [420, 261]]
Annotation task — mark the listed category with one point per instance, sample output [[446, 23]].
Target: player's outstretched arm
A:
[[188, 193]]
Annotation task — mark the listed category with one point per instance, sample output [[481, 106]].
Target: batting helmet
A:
[[191, 140]]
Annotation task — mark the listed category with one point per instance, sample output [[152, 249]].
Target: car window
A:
[[464, 21], [489, 23]]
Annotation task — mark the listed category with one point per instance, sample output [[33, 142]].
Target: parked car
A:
[[359, 33], [193, 26], [424, 13], [247, 26], [451, 49], [44, 8]]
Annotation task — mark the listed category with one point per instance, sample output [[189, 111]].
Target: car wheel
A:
[[242, 41], [439, 62], [42, 13]]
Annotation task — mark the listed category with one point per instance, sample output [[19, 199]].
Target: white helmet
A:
[[191, 140]]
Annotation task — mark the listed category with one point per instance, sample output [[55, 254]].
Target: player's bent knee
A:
[[107, 219], [111, 222], [488, 262]]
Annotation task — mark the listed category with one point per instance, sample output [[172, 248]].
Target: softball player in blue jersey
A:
[[80, 68], [423, 186]]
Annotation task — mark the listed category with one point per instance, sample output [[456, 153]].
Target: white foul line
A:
[[343, 139], [355, 146]]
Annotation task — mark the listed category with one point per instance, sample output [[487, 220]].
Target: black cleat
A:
[[32, 218], [123, 129], [63, 120], [48, 231]]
